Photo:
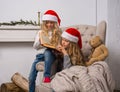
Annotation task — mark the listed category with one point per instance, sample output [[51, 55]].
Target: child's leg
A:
[[49, 58], [33, 72]]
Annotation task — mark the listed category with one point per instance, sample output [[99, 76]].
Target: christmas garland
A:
[[21, 22]]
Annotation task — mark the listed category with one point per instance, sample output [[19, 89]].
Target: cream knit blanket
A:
[[95, 78]]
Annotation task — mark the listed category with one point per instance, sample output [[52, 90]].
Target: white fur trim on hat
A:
[[69, 37], [49, 17]]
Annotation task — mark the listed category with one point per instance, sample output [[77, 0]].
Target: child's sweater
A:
[[37, 45]]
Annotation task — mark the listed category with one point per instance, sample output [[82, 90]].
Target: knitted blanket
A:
[[95, 78]]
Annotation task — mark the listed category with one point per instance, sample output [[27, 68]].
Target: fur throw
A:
[[94, 78]]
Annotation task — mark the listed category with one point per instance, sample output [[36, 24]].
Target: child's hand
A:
[[59, 48], [62, 49]]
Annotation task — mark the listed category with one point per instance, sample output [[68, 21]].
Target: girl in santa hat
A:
[[71, 45], [50, 27]]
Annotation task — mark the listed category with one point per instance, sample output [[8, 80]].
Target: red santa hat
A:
[[52, 16], [73, 35]]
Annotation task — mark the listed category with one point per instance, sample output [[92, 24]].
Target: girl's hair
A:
[[56, 32], [75, 53]]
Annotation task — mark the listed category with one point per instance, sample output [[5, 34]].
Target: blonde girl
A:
[[50, 27], [71, 45]]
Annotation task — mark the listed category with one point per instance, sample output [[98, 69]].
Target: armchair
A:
[[87, 32]]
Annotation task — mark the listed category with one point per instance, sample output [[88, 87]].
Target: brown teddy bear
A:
[[99, 51]]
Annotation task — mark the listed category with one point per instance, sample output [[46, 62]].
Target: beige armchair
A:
[[87, 31]]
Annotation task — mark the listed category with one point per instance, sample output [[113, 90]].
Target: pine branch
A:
[[21, 22]]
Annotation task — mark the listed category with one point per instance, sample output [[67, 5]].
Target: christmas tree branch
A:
[[21, 22]]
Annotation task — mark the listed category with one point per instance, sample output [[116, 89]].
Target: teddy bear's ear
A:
[[97, 37]]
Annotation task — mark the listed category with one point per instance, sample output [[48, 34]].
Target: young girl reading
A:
[[50, 27]]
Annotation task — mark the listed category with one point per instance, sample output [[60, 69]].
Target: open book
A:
[[45, 41]]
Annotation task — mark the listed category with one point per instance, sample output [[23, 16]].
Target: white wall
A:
[[15, 57], [71, 12], [101, 10], [113, 39]]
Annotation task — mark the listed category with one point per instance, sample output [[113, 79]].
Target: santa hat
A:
[[52, 16], [73, 35]]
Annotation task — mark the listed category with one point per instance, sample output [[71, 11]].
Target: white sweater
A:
[[37, 45]]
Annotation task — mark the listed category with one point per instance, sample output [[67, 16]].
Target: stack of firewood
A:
[[18, 84]]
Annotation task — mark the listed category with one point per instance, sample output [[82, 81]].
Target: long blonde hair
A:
[[56, 32], [75, 54]]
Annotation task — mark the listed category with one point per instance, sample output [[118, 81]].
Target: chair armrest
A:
[[40, 66]]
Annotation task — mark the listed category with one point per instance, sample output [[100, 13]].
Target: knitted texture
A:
[[95, 78]]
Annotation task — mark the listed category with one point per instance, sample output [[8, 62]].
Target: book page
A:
[[45, 41]]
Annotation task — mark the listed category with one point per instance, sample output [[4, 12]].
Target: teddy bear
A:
[[99, 51]]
